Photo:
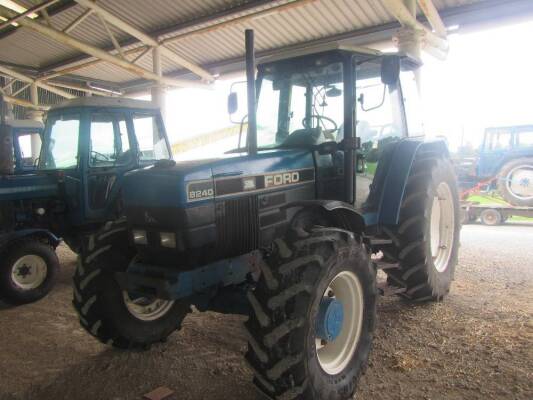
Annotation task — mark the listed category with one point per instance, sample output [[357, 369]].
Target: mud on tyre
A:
[[109, 314], [304, 274]]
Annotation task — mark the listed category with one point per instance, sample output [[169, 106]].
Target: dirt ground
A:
[[477, 344]]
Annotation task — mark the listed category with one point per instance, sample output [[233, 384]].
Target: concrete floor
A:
[[477, 344]]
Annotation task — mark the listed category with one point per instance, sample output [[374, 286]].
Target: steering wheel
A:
[[96, 155], [306, 122]]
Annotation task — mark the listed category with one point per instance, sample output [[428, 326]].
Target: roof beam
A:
[[104, 55], [194, 27], [24, 78], [28, 12], [146, 39], [74, 24], [432, 14], [416, 32]]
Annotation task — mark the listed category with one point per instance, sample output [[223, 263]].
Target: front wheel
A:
[[314, 311], [28, 271], [108, 313]]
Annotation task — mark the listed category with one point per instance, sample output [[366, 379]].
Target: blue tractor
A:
[[507, 155], [73, 188], [284, 228]]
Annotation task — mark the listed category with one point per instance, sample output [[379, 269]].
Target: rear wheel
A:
[[314, 311], [28, 271], [108, 313], [426, 241], [515, 182]]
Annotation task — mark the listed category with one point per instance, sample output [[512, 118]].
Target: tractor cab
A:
[[344, 104], [90, 143]]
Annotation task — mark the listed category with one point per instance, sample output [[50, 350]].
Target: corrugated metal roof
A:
[[304, 22]]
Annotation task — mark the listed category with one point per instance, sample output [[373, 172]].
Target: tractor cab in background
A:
[[71, 187]]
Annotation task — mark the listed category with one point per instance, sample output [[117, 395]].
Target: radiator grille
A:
[[237, 226]]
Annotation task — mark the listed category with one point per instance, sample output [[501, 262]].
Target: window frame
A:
[[116, 115]]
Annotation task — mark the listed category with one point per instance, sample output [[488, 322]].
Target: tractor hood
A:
[[29, 186], [166, 193]]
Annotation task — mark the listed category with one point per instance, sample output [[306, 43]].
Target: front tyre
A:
[[28, 271], [314, 310], [110, 314]]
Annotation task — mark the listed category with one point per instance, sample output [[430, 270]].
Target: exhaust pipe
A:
[[250, 79]]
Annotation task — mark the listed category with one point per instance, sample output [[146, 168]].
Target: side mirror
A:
[[390, 70], [233, 103]]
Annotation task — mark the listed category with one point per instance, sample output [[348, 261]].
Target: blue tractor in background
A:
[[72, 189], [284, 227], [504, 164]]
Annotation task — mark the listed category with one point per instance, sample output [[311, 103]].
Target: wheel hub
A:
[[339, 322], [29, 272], [146, 308], [330, 319], [519, 182], [442, 227]]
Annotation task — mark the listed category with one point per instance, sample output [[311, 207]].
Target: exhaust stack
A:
[[250, 79]]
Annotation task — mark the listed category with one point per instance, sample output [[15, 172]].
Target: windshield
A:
[[300, 108], [61, 147], [150, 137]]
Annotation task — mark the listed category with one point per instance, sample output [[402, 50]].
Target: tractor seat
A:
[[303, 138]]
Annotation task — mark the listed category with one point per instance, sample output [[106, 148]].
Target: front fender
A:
[[10, 237], [399, 168], [343, 214]]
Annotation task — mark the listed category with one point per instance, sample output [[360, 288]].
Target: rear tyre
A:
[[110, 314], [426, 240], [28, 271], [313, 314], [491, 217], [515, 182]]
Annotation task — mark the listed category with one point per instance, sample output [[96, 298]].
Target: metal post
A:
[[36, 115], [6, 143], [250, 78], [158, 90]]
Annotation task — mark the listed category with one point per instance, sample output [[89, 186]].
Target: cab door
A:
[[110, 155]]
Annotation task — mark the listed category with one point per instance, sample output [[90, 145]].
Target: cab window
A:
[[62, 149], [524, 138], [28, 154], [109, 143], [150, 137]]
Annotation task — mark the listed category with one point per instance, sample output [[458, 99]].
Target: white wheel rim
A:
[[519, 182], [334, 356], [147, 309], [442, 227], [29, 272]]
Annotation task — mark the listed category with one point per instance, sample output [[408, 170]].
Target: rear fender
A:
[[342, 214], [399, 168], [42, 234]]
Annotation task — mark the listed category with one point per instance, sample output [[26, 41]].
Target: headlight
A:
[[139, 237], [168, 239]]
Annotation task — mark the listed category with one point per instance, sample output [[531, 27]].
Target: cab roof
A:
[[24, 123], [316, 49], [111, 102]]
